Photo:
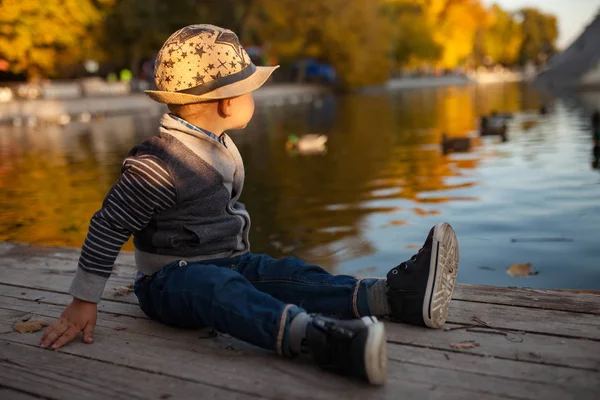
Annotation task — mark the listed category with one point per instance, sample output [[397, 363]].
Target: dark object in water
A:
[[540, 240], [543, 110], [455, 144], [596, 121], [493, 125]]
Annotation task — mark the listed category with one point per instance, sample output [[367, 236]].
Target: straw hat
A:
[[204, 62]]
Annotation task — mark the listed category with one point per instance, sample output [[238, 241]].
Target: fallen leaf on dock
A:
[[521, 270], [469, 344], [30, 326], [123, 290]]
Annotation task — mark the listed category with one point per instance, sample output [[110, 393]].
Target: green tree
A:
[[412, 39], [136, 29], [39, 36], [352, 35], [540, 32]]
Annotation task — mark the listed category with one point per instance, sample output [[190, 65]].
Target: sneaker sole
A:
[[375, 352], [442, 276]]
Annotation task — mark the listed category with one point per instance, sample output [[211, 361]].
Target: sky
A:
[[573, 15]]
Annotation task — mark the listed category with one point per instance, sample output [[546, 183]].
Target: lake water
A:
[[368, 203]]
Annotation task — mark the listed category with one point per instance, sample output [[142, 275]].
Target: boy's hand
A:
[[78, 316]]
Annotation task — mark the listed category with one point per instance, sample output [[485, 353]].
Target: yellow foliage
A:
[[38, 35]]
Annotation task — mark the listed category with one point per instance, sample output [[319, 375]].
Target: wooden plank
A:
[[534, 348], [495, 371], [263, 374], [256, 369], [557, 323], [144, 326], [574, 380], [64, 261], [461, 312], [10, 394], [22, 250], [48, 281], [57, 266], [532, 298], [529, 347], [541, 349], [130, 307], [59, 375]]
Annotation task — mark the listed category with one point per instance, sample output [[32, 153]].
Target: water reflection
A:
[[366, 203]]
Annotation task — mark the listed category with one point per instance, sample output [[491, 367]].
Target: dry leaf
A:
[[124, 290], [521, 270], [469, 344], [397, 222], [412, 246], [30, 326]]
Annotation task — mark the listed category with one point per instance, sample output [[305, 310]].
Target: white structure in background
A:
[[579, 65]]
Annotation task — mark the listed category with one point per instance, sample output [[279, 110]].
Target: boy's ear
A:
[[225, 108]]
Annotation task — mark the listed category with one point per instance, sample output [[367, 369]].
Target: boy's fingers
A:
[[66, 337], [46, 333], [88, 333], [59, 327]]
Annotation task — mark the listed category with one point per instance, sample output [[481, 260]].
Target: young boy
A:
[[177, 195]]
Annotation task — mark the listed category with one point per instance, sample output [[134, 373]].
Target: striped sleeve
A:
[[144, 189]]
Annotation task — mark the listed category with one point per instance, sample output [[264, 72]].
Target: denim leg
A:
[[202, 295], [293, 281]]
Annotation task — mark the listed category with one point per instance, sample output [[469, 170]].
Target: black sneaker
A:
[[420, 289], [350, 347]]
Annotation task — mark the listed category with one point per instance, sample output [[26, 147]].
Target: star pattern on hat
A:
[[168, 63], [230, 39], [197, 55], [185, 34], [199, 79], [199, 51]]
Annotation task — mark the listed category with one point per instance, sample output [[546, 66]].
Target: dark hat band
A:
[[215, 84]]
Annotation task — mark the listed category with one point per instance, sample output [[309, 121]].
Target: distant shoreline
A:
[[56, 110]]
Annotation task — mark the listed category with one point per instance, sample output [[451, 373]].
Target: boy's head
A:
[[203, 69]]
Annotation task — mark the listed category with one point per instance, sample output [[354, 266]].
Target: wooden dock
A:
[[498, 343]]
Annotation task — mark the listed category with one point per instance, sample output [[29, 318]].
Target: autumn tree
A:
[[499, 40], [38, 36], [412, 37], [540, 32], [352, 35]]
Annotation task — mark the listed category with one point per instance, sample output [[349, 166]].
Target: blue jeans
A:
[[251, 297]]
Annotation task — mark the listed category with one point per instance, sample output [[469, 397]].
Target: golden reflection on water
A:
[[383, 161]]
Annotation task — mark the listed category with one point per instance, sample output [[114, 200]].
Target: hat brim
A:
[[250, 84]]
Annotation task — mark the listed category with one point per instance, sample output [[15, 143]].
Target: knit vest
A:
[[206, 220]]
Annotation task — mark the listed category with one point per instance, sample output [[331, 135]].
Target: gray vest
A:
[[206, 221]]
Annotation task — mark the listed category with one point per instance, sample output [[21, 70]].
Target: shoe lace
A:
[[404, 265], [338, 343]]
